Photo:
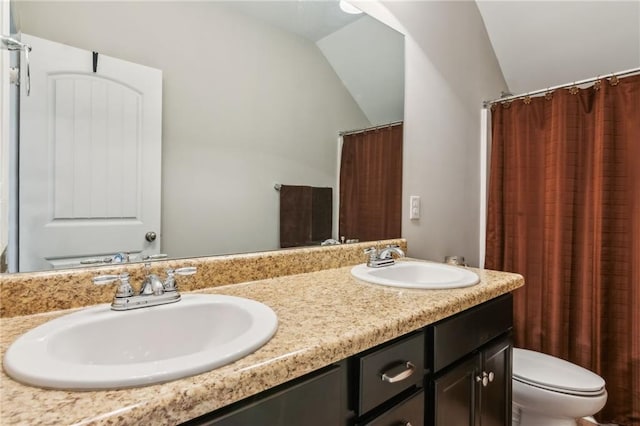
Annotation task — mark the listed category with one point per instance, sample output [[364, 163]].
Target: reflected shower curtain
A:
[[371, 184], [564, 211]]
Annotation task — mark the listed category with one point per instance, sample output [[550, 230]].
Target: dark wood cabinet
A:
[[386, 371], [475, 391], [317, 399], [495, 397], [469, 384], [387, 381], [456, 372], [453, 395], [409, 411]]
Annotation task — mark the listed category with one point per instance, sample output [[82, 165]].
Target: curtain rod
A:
[[487, 104], [382, 126]]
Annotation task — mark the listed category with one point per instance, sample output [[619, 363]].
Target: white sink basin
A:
[[419, 275], [98, 348]]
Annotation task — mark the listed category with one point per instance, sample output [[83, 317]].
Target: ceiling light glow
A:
[[349, 8]]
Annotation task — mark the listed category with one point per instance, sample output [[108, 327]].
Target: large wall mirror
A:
[[253, 94]]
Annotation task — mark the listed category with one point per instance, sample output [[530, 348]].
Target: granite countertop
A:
[[323, 317]]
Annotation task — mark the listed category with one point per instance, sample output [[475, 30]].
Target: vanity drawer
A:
[[390, 370], [409, 411], [318, 399], [455, 337]]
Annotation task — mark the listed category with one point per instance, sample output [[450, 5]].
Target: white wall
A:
[[450, 69], [245, 106], [378, 49], [542, 44]]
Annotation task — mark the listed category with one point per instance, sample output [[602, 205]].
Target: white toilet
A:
[[548, 391]]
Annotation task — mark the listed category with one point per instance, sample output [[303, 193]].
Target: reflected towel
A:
[[305, 215]]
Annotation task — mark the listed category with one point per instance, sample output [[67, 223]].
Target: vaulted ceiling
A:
[[546, 43]]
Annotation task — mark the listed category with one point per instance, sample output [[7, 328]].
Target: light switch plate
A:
[[414, 207]]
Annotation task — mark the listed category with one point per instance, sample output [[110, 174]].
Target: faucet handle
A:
[[154, 256], [372, 252], [170, 283], [187, 270], [94, 260], [124, 288], [105, 279]]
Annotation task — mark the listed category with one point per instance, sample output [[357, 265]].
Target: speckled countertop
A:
[[324, 317]]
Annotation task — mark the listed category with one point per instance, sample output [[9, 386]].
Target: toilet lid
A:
[[555, 374]]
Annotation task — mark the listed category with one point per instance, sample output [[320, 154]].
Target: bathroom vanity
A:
[[454, 372], [336, 337]]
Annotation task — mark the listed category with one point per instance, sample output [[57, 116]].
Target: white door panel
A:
[[90, 157], [5, 164]]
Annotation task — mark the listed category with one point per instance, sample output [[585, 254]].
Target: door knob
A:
[[150, 236], [484, 379]]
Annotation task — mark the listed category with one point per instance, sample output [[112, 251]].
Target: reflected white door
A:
[[90, 157]]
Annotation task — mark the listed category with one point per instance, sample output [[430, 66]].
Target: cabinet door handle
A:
[[484, 379], [409, 369]]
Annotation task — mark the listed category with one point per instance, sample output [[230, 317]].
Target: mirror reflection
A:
[[249, 95]]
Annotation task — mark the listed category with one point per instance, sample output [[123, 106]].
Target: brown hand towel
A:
[[305, 215]]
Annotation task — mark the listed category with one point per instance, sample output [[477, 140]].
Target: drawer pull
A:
[[408, 370]]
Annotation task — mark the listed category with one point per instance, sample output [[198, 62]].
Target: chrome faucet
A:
[[120, 257], [152, 285], [379, 258], [153, 291]]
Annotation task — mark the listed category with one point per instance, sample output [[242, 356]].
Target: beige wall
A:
[[450, 69], [245, 106]]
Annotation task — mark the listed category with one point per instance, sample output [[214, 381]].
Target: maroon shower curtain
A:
[[371, 184], [564, 211]]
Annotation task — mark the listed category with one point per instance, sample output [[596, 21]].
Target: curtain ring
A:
[[527, 99], [614, 80], [574, 89], [597, 84], [506, 104], [549, 94]]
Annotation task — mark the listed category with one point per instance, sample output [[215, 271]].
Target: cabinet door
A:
[[495, 400], [454, 393], [317, 401]]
